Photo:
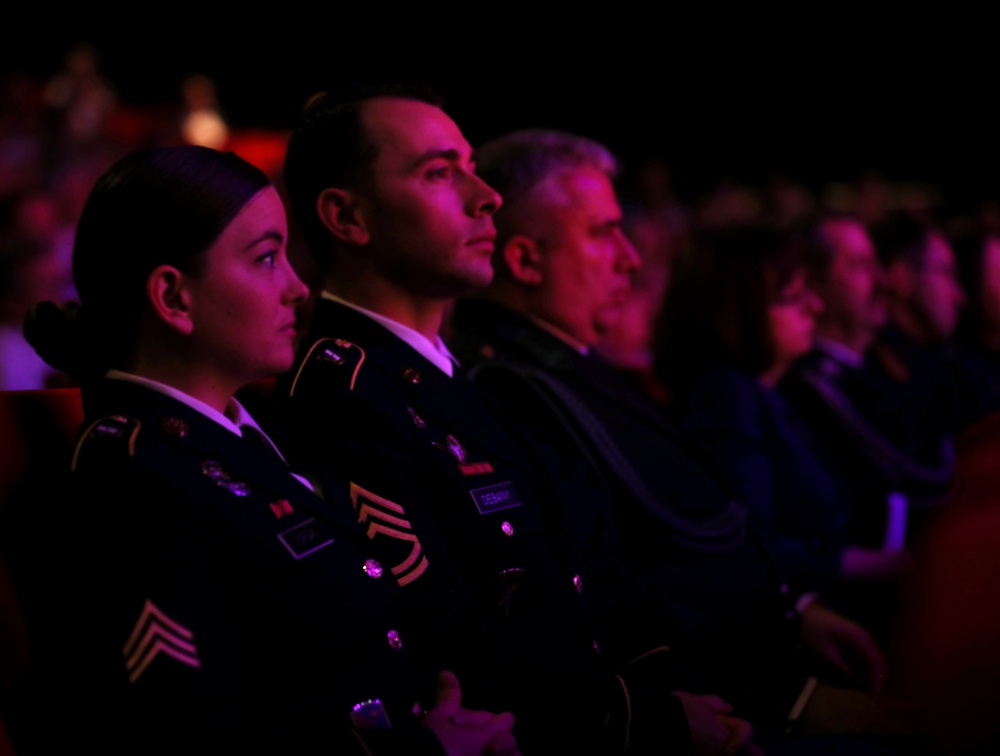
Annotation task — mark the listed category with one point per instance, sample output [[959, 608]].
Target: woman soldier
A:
[[206, 598]]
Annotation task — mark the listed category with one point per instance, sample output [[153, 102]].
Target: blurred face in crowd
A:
[[936, 297], [853, 288], [427, 213], [586, 257], [989, 284], [792, 321]]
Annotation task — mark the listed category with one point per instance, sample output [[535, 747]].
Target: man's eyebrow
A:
[[275, 236], [451, 154]]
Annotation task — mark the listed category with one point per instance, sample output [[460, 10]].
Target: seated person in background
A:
[[384, 187], [977, 256], [914, 350], [841, 391], [203, 598], [562, 270], [741, 316]]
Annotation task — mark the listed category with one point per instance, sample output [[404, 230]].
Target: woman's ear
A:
[[170, 298], [340, 211], [523, 259]]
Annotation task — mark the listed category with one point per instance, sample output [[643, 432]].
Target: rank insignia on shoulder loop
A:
[[496, 498], [451, 446], [154, 634], [305, 538], [344, 355], [216, 472], [112, 427], [388, 518]]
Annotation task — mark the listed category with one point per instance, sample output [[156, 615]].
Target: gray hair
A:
[[516, 163]]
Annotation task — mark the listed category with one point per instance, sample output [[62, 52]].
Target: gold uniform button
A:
[[411, 374], [373, 569], [395, 642], [507, 528], [578, 583]]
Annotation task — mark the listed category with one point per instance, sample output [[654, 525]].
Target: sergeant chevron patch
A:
[[155, 633], [388, 518]]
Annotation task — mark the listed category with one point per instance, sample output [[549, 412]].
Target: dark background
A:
[[821, 101]]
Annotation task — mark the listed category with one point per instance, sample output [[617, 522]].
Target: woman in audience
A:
[[739, 315], [208, 599]]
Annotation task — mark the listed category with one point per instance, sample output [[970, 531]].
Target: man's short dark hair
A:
[[816, 246], [903, 237], [330, 149]]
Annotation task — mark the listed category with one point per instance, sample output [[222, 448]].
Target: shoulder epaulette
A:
[[114, 434], [335, 359]]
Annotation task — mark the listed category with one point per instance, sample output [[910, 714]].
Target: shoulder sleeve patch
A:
[[114, 434], [330, 360]]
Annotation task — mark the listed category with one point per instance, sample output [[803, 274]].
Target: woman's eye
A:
[[270, 259]]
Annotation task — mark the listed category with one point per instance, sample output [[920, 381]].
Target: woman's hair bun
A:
[[58, 335]]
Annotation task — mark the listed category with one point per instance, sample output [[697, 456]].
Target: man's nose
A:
[[483, 199], [628, 256]]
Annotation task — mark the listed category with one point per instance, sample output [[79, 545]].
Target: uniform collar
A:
[[434, 352], [840, 353], [236, 414]]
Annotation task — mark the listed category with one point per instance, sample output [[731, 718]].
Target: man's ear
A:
[[170, 298], [523, 258], [339, 210]]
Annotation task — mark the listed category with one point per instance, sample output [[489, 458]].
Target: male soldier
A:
[[384, 188], [562, 270]]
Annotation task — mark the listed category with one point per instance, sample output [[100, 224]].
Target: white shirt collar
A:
[[434, 352], [841, 353], [561, 335], [238, 413], [240, 416]]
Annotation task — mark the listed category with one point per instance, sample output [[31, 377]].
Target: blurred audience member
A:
[[978, 259], [925, 300], [81, 96], [202, 122], [740, 314]]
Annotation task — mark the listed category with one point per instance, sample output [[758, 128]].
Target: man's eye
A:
[[439, 173]]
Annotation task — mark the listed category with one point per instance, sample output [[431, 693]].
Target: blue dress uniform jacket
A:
[[779, 469], [887, 428], [728, 612], [436, 476], [206, 601]]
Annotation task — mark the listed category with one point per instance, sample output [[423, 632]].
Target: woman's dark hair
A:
[[154, 207], [716, 311]]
